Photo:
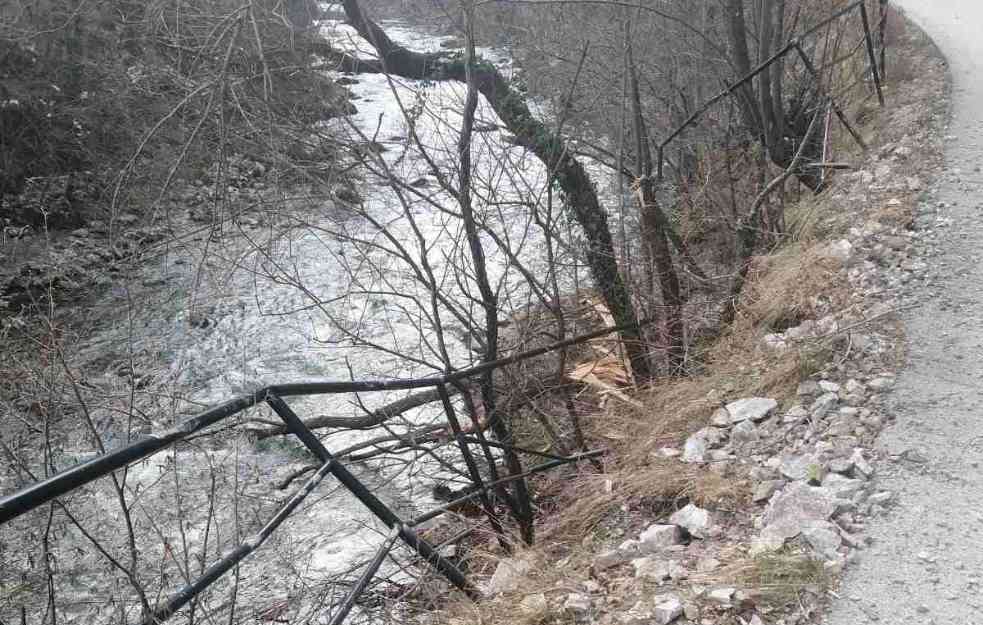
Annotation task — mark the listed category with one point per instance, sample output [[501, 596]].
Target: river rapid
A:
[[277, 298]]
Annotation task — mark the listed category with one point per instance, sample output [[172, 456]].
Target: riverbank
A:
[[310, 290], [743, 494]]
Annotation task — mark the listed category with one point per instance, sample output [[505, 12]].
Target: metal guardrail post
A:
[[44, 491], [220, 568], [369, 500], [546, 466], [869, 41], [819, 85], [473, 471], [882, 34], [364, 580]]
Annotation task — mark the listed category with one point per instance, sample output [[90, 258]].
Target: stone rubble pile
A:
[[813, 476]]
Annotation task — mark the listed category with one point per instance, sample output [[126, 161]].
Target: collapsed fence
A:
[[488, 490], [794, 45], [405, 530]]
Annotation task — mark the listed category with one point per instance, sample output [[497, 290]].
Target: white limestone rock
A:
[[694, 520], [753, 408], [658, 537]]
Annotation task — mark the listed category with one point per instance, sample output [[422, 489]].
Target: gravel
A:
[[927, 550]]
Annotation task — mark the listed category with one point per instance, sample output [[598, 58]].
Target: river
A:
[[278, 298]]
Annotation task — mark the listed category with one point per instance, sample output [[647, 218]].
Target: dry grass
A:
[[778, 579], [794, 282], [638, 486]]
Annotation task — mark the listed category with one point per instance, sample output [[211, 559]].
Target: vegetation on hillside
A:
[[512, 204]]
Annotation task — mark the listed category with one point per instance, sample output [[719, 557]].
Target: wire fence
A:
[[794, 46], [486, 490], [489, 491]]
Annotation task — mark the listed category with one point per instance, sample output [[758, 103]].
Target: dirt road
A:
[[926, 561]]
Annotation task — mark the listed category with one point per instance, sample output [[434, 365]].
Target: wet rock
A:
[[199, 320], [658, 537], [694, 520], [753, 408], [346, 194], [452, 42]]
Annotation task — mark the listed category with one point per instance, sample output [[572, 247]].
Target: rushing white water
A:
[[283, 300]]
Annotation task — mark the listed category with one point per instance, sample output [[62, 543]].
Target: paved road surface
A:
[[926, 564]]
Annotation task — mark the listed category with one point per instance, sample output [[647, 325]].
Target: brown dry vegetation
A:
[[588, 512]]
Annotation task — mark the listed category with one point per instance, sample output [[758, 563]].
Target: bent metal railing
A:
[[50, 489], [794, 45]]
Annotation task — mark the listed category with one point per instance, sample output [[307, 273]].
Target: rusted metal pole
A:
[[869, 41], [539, 468], [882, 35], [40, 493], [363, 581], [473, 471], [223, 566], [727, 91], [369, 500], [836, 108]]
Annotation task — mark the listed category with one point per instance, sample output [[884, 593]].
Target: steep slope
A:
[[925, 559]]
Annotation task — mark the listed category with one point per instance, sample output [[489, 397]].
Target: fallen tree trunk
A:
[[531, 133], [365, 422]]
